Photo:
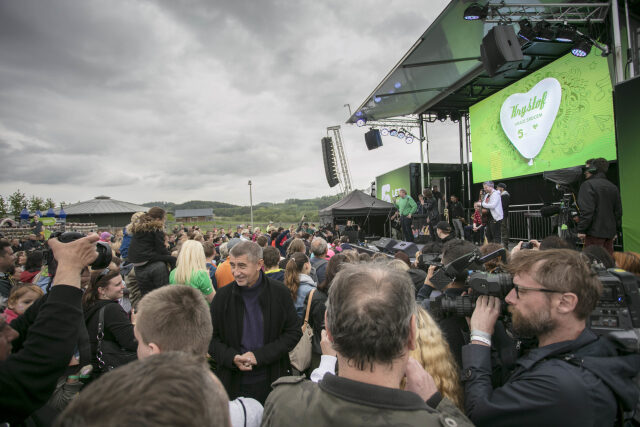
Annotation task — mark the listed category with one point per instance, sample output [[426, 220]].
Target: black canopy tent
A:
[[370, 213]]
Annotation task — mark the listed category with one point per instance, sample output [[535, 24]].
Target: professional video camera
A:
[[617, 311], [566, 209], [103, 249]]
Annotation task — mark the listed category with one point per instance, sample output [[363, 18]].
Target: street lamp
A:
[[251, 203]]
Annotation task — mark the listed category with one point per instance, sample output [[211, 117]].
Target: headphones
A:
[[591, 169]]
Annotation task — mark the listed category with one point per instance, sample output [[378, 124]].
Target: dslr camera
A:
[[104, 250]]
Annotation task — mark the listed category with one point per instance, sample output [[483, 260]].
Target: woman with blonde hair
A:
[[191, 269], [433, 353]]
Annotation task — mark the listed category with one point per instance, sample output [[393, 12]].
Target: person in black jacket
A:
[[600, 206], [505, 197], [148, 253], [45, 336], [456, 215], [103, 292], [255, 326], [573, 377]]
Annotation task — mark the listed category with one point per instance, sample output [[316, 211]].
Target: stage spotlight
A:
[[398, 85], [475, 12], [526, 31], [581, 48], [565, 34], [408, 139], [393, 132], [377, 99], [384, 131], [442, 116], [544, 32], [359, 113], [361, 122], [401, 133], [455, 116]]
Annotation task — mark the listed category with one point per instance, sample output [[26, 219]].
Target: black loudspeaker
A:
[[385, 244], [500, 50], [329, 157], [373, 139], [408, 248]]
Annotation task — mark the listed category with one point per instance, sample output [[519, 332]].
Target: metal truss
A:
[[550, 12], [343, 165], [404, 122]]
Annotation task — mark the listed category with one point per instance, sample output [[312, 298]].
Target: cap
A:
[[444, 226], [502, 185]]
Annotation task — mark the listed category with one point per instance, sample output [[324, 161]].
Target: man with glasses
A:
[[573, 377]]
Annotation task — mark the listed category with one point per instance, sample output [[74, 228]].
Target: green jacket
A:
[[336, 401], [406, 206]]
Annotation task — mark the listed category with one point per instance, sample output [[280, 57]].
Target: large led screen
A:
[[388, 185], [556, 117]]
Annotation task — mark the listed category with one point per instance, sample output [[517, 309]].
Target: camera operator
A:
[[29, 375], [574, 377], [600, 206]]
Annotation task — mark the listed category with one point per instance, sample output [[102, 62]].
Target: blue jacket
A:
[[306, 285]]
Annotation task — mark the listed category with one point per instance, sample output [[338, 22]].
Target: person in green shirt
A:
[[191, 269], [406, 207]]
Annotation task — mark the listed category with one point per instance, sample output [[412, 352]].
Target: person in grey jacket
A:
[[574, 377]]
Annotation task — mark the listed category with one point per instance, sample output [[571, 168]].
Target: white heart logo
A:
[[527, 118]]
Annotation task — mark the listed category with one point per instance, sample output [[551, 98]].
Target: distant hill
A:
[[290, 210]]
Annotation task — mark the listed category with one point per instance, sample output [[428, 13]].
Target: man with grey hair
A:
[[370, 321], [255, 326], [319, 261]]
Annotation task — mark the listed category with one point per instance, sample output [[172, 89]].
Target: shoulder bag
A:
[[109, 354], [300, 356]]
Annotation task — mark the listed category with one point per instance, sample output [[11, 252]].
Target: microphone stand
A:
[[367, 218], [387, 220]]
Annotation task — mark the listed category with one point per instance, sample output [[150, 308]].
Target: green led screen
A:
[[556, 117]]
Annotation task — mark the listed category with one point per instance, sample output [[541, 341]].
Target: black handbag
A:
[[109, 354]]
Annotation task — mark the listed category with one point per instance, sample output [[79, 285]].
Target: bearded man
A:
[[573, 377]]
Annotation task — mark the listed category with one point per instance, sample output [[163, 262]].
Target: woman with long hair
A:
[[148, 253], [191, 269], [433, 353], [104, 290], [298, 281]]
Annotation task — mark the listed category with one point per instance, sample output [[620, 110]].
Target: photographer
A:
[[574, 377], [29, 375]]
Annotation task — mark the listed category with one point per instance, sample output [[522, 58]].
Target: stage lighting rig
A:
[[401, 133], [384, 131], [393, 132], [543, 31], [361, 122], [475, 12], [565, 33]]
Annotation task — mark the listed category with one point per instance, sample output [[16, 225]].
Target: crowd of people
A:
[[201, 327]]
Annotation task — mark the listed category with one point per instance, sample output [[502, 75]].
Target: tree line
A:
[[13, 204]]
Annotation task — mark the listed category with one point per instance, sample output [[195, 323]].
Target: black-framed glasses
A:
[[518, 288]]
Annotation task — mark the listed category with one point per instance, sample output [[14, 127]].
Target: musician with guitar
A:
[[406, 207]]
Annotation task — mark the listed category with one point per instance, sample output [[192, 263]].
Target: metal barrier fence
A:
[[526, 222]]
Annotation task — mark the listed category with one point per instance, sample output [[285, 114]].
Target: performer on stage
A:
[[406, 207]]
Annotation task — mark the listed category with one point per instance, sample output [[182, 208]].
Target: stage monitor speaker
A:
[[352, 235], [373, 139], [329, 157], [408, 248], [385, 244], [500, 50]]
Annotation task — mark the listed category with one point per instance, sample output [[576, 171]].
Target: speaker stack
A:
[[373, 139], [329, 157]]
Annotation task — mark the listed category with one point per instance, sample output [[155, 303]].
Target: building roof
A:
[[188, 213], [103, 205], [358, 203]]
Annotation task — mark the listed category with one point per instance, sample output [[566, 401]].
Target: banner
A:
[[387, 185]]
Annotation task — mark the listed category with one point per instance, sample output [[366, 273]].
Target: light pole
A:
[[251, 203]]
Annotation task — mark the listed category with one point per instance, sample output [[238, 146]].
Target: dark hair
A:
[[365, 257], [453, 250], [403, 257], [98, 280], [3, 245], [147, 392], [334, 265], [271, 256], [209, 249], [155, 213], [427, 193], [499, 262], [262, 241], [296, 262], [432, 248], [600, 164], [554, 242], [368, 314], [34, 261], [599, 254]]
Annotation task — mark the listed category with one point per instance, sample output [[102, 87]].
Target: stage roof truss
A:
[[571, 13]]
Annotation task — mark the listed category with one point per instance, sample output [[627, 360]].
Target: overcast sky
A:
[[174, 100]]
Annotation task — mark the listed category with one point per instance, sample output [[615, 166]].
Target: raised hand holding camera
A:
[[72, 257]]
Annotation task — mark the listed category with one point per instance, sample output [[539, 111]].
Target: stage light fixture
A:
[[401, 133], [581, 48], [398, 85], [455, 116], [475, 12], [442, 116], [384, 131], [361, 122], [544, 32], [359, 113], [566, 34], [408, 139], [526, 31], [377, 99], [393, 132]]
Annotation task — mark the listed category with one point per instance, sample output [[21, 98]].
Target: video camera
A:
[[617, 312], [104, 251]]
